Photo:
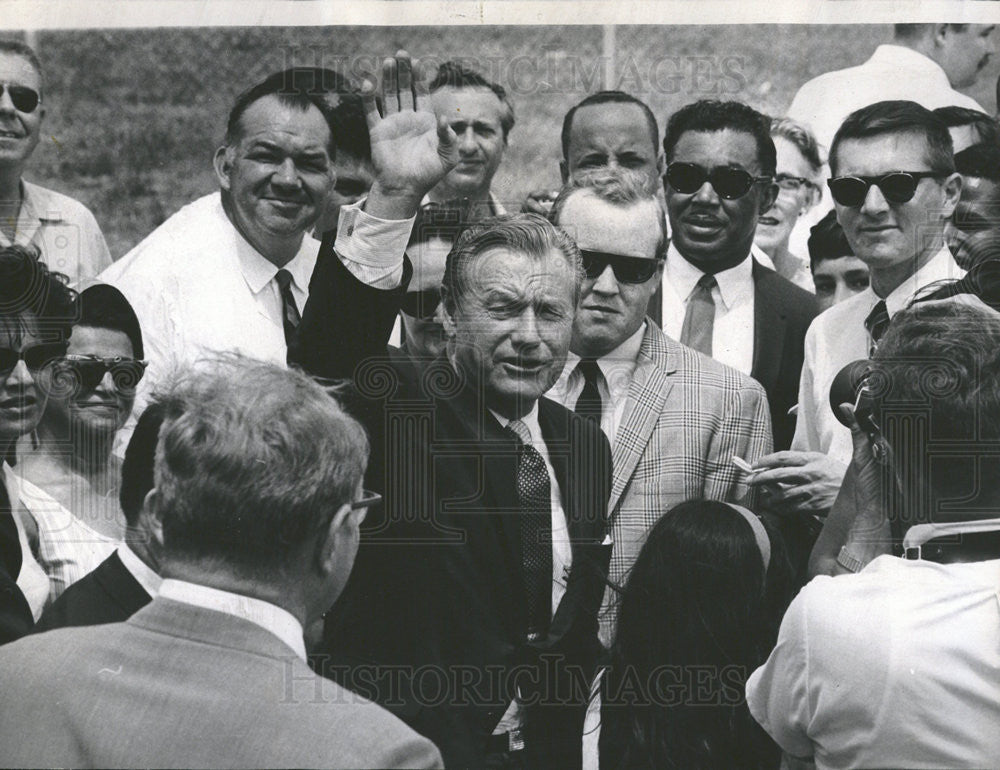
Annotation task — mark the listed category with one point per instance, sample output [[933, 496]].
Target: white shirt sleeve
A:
[[372, 248], [778, 691]]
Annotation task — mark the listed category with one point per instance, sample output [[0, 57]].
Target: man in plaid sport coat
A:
[[675, 418]]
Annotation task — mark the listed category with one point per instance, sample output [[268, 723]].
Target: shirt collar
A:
[[735, 284], [530, 420], [30, 207], [270, 617], [940, 267], [258, 272], [141, 571], [617, 365]]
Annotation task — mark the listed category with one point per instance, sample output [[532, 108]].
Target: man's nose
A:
[[606, 283], [874, 202], [467, 141], [706, 194], [20, 375], [6, 105], [526, 333], [286, 174]]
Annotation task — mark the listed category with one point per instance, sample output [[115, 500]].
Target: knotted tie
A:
[[699, 318], [589, 403], [289, 312], [876, 323], [533, 494]]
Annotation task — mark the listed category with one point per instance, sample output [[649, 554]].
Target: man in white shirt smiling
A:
[[258, 503]]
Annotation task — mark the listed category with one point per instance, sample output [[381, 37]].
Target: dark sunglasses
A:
[[626, 269], [896, 186], [23, 98], [728, 183], [34, 358], [88, 371]]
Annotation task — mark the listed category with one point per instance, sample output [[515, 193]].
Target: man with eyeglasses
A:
[[894, 186], [61, 228], [717, 299], [675, 418]]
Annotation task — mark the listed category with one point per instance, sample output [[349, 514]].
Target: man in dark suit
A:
[[258, 504], [717, 298], [473, 612], [127, 580]]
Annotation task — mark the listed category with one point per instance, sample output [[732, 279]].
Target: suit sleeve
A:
[[345, 320]]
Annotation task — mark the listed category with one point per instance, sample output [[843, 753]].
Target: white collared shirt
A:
[[836, 338], [892, 72], [31, 579], [270, 617], [137, 568], [562, 553], [617, 366], [733, 332], [64, 231]]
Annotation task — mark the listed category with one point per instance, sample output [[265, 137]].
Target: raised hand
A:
[[411, 149]]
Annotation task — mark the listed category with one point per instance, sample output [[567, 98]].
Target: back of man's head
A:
[[937, 401], [253, 461], [139, 462], [827, 240], [981, 161], [609, 98], [454, 74], [898, 117], [710, 116], [972, 126]]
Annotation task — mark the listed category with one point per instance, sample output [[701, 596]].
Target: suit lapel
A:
[[646, 395], [768, 330]]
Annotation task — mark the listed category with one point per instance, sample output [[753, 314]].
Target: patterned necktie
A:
[[289, 312], [699, 318], [10, 546], [876, 323], [533, 494], [589, 403]]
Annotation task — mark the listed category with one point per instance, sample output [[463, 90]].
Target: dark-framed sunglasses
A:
[[88, 371], [896, 186], [35, 357], [626, 269], [728, 183], [24, 99], [792, 183]]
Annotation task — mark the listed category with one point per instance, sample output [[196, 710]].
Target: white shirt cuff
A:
[[372, 248]]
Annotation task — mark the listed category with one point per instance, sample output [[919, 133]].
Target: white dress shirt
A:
[[138, 569], [64, 231], [836, 338], [31, 580], [270, 617], [892, 72], [733, 332], [617, 366]]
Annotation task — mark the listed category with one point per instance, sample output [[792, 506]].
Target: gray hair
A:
[[252, 459]]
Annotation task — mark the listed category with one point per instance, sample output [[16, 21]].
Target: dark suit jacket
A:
[[182, 686], [109, 594], [782, 313], [435, 604]]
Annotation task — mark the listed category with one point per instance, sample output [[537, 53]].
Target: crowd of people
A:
[[690, 463]]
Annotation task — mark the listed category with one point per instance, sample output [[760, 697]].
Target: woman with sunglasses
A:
[[68, 456], [699, 612], [798, 169], [36, 312]]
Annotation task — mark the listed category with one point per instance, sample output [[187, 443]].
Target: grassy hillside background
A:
[[135, 115]]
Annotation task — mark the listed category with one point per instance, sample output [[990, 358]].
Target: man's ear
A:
[[151, 520], [342, 526], [223, 164], [661, 165], [952, 187], [940, 33], [444, 317]]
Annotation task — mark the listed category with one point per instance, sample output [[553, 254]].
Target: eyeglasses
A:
[[23, 98], [368, 500], [88, 371], [35, 357], [626, 269], [896, 186], [792, 183], [728, 183]]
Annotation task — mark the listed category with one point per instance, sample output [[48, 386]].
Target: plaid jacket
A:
[[685, 417]]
